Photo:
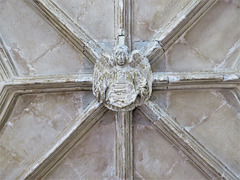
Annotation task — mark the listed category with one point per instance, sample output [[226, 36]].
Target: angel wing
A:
[[141, 63], [100, 76]]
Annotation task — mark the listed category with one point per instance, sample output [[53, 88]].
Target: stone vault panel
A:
[[210, 45], [148, 20], [35, 46], [93, 156], [152, 161], [95, 17], [34, 123], [211, 116]]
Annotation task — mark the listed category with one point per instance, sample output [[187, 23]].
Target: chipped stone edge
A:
[[123, 17], [198, 154]]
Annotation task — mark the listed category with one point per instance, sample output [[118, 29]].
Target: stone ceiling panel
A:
[[35, 46], [210, 44], [92, 157], [34, 123], [152, 161], [211, 116], [148, 20], [93, 16]]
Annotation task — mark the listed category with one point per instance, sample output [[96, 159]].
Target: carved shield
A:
[[121, 92], [122, 87]]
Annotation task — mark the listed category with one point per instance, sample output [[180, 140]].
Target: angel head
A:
[[120, 54]]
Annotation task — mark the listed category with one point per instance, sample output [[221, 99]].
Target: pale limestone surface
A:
[[222, 137], [34, 123], [94, 17], [92, 157], [157, 158], [211, 118], [212, 44], [152, 15], [35, 45]]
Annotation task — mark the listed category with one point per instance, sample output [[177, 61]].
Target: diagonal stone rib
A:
[[186, 18], [61, 21], [195, 80], [237, 92], [124, 145], [65, 142], [7, 102], [199, 155], [7, 69], [123, 23]]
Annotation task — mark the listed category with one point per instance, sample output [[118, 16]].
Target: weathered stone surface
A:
[[210, 118], [35, 48], [93, 156], [220, 134], [122, 81], [210, 44], [148, 20], [155, 157], [196, 105], [35, 122], [95, 17]]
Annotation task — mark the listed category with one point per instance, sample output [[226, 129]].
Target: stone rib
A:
[[7, 102], [186, 18], [124, 145], [62, 22], [65, 142], [196, 80], [45, 84], [201, 157], [7, 68], [123, 23]]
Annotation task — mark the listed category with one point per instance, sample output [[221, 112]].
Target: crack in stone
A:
[[205, 117], [200, 54], [60, 42]]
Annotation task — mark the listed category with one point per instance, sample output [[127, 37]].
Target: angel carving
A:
[[122, 81]]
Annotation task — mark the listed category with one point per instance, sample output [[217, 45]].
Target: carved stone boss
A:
[[122, 81]]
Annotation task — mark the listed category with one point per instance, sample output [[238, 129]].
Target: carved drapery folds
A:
[[122, 81]]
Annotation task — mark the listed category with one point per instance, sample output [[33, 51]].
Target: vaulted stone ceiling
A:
[[52, 126]]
